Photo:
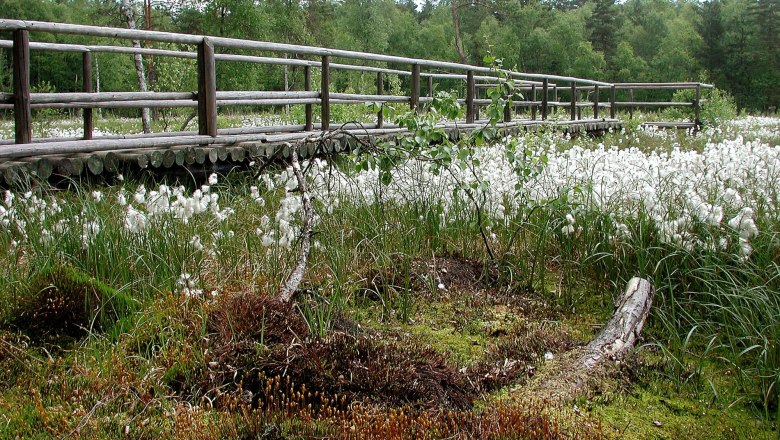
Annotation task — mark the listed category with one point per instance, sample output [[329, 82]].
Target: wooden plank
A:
[[86, 87], [612, 108], [380, 89], [325, 93], [307, 87], [414, 100], [573, 115], [207, 89], [470, 89], [21, 74]]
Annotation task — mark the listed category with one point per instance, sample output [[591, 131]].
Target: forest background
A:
[[734, 44]]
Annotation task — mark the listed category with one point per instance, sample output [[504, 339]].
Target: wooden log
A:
[[697, 107], [307, 86], [138, 159], [370, 98], [612, 108], [545, 86], [654, 104], [573, 115], [94, 164], [169, 158], [414, 100], [86, 62], [200, 155], [13, 172], [180, 156], [325, 93], [40, 167], [207, 89], [110, 161], [380, 89], [21, 84], [156, 158], [213, 155], [470, 92]]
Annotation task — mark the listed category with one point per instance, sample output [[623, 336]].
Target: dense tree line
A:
[[733, 43]]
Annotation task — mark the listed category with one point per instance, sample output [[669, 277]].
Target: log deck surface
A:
[[207, 145], [103, 156]]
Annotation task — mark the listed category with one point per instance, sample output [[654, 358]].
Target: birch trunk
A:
[[127, 11]]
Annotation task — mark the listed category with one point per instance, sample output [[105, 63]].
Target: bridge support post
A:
[[697, 108], [533, 102], [380, 89], [21, 72], [612, 108], [508, 110], [470, 89], [631, 107], [86, 86], [545, 90], [573, 101], [555, 99], [325, 93], [414, 100], [207, 89], [595, 102], [307, 87], [430, 87]]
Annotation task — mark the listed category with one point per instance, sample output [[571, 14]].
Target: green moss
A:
[[647, 414], [67, 301]]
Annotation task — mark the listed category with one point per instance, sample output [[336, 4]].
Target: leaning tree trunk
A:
[[456, 29], [574, 372], [127, 11]]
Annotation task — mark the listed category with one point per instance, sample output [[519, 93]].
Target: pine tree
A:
[[602, 27]]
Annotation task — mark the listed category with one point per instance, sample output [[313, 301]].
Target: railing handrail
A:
[[235, 43]]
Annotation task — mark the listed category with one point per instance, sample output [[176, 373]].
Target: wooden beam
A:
[[309, 124], [533, 106], [325, 93], [414, 101], [21, 73], [470, 97], [430, 87], [573, 115], [612, 107], [596, 102], [89, 125], [697, 107], [207, 89], [380, 89], [545, 86]]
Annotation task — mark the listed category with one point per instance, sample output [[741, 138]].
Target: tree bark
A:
[[296, 276], [456, 29], [574, 372], [127, 11]]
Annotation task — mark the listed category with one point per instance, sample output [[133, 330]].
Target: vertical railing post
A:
[[631, 107], [555, 99], [430, 87], [573, 101], [612, 108], [533, 102], [470, 89], [595, 102], [508, 108], [380, 89], [86, 87], [414, 100], [207, 89], [545, 89], [697, 108], [309, 108], [21, 72], [325, 92]]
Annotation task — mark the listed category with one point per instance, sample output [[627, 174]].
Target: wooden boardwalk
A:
[[42, 158]]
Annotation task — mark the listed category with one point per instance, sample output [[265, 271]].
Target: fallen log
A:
[[573, 373]]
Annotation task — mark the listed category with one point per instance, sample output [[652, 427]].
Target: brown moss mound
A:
[[252, 337], [513, 359]]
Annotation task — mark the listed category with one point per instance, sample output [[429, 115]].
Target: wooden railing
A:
[[207, 99]]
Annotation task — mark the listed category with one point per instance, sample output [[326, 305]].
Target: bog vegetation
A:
[[444, 279]]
